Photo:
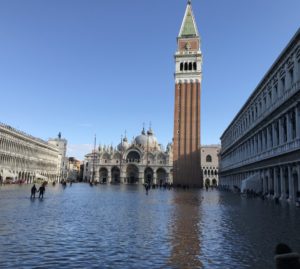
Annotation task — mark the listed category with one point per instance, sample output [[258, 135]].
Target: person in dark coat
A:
[[33, 191], [41, 191], [285, 258]]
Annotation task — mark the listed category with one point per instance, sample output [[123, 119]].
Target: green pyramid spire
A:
[[188, 27]]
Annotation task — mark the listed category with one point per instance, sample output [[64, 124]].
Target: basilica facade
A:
[[143, 160]]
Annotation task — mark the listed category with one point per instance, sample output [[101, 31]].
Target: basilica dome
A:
[[147, 140], [124, 145]]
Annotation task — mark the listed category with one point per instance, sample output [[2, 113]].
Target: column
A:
[[291, 184], [275, 176], [275, 142], [297, 110], [289, 127], [264, 182], [282, 182], [109, 176], [280, 122], [298, 174], [270, 182], [154, 177], [268, 146]]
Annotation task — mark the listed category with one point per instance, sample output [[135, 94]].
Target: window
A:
[[195, 66], [208, 159], [181, 66]]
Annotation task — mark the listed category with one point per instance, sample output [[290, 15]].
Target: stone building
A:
[[210, 164], [261, 146], [188, 74], [61, 144], [143, 160], [24, 158]]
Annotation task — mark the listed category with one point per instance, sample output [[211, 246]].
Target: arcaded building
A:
[[143, 160], [261, 146], [188, 72], [210, 164], [24, 158]]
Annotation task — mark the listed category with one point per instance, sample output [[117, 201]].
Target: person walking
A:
[[41, 191], [33, 191]]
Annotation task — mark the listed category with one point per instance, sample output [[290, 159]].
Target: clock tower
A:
[[188, 74]]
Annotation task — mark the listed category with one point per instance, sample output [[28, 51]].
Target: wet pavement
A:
[[122, 227]]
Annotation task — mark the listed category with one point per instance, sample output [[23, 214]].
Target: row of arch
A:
[[132, 175], [188, 66], [26, 177], [26, 163], [208, 172]]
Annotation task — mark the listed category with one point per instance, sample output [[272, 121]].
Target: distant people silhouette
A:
[[33, 191]]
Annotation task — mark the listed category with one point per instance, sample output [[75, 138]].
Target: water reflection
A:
[[185, 240], [122, 227]]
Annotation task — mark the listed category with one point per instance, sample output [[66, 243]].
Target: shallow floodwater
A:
[[122, 227]]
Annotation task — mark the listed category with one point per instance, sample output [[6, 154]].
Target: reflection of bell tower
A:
[[188, 58]]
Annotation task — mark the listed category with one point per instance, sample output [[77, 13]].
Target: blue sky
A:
[[86, 67]]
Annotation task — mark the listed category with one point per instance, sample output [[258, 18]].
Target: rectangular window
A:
[[270, 97]]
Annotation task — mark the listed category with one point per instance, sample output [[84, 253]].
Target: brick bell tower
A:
[[186, 149]]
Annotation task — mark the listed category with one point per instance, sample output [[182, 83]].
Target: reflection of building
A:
[[61, 143], [261, 146], [141, 161], [210, 164], [26, 158], [185, 231], [187, 104]]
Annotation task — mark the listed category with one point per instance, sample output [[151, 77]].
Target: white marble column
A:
[[263, 175], [282, 182], [109, 176]]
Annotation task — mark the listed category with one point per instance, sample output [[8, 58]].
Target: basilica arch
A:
[[115, 174], [148, 175], [132, 174], [103, 175], [161, 176]]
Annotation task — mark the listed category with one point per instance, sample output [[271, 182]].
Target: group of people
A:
[[41, 191]]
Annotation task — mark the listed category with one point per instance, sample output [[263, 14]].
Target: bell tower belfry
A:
[[188, 74]]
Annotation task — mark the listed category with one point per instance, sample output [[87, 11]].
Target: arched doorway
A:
[[132, 174], [115, 175], [161, 176], [214, 182], [103, 175], [148, 175], [207, 182]]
